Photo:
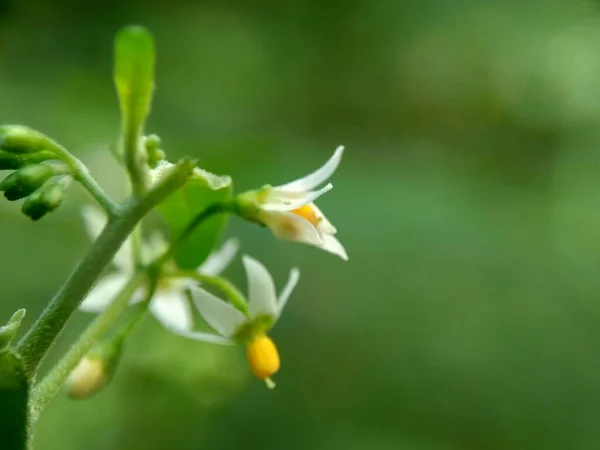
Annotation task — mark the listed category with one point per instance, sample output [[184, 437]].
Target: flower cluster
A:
[[287, 210]]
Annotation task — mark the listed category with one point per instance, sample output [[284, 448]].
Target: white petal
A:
[[262, 298], [172, 310], [278, 201], [94, 221], [219, 259], [154, 246], [104, 292], [292, 227], [314, 179], [324, 226], [223, 317], [204, 337], [287, 290], [332, 245]]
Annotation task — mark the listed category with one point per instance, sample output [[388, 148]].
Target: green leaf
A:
[[201, 191], [134, 73], [13, 402]]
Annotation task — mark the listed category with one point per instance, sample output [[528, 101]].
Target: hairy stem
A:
[[44, 332], [52, 383]]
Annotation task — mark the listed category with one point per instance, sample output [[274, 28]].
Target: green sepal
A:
[[21, 139], [134, 73], [14, 392], [8, 331], [257, 327], [201, 191]]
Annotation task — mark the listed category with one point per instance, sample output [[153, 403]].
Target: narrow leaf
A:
[[134, 73]]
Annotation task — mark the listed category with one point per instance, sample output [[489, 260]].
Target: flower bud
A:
[[95, 370], [46, 199], [153, 150], [20, 139], [25, 181], [87, 378], [13, 161]]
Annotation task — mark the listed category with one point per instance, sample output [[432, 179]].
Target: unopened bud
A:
[[13, 161], [153, 150], [96, 369], [21, 139], [87, 378], [46, 199], [25, 181]]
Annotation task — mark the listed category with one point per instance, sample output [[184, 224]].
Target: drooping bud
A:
[[46, 199], [263, 359], [14, 161], [25, 181], [20, 139], [95, 370]]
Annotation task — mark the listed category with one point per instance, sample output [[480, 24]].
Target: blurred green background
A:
[[468, 316]]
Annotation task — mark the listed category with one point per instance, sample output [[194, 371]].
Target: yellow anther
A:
[[262, 357], [307, 212]]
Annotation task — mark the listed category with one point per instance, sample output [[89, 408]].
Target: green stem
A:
[[132, 155], [82, 175], [96, 191], [235, 296], [52, 383], [44, 332]]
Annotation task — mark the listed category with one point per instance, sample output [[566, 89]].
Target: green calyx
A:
[[252, 329]]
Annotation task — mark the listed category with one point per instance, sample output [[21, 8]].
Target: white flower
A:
[[169, 305], [289, 209], [248, 327]]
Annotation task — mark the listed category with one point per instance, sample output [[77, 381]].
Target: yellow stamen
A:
[[308, 212], [263, 357]]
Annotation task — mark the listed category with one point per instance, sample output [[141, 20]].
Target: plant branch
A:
[[44, 332]]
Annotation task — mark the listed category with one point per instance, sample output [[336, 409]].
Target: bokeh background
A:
[[468, 316]]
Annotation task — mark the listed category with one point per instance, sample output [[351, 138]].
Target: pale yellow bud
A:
[[87, 378]]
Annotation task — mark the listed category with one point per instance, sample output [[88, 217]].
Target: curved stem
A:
[[235, 296], [44, 332], [52, 383], [82, 175]]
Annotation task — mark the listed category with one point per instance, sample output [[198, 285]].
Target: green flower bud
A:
[[13, 161], [25, 181], [153, 150], [46, 199], [20, 139]]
